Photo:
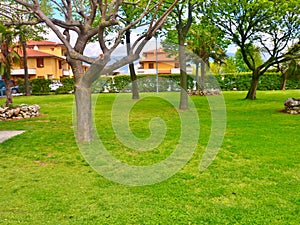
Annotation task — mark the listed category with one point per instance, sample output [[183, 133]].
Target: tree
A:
[[29, 30], [240, 63], [271, 26], [179, 23], [129, 13], [89, 19], [206, 41], [7, 57], [290, 70], [25, 33], [229, 65]]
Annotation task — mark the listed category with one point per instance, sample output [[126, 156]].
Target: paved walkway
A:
[[4, 135]]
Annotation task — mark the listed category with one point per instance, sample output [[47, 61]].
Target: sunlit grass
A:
[[255, 178]]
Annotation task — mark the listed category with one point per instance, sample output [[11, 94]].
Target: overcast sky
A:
[[93, 49]]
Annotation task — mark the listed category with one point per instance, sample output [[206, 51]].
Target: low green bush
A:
[[68, 86], [242, 81], [167, 82], [40, 86]]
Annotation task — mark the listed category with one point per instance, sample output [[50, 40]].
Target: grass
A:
[[255, 178]]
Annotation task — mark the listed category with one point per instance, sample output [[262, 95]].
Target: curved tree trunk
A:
[[183, 79], [7, 87], [26, 75], [253, 87], [135, 91], [83, 99], [197, 76], [202, 75], [85, 130], [283, 82], [7, 69]]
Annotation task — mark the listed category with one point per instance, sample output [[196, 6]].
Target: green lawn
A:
[[255, 178]]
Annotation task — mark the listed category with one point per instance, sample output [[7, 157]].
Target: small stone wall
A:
[[292, 105], [206, 92], [22, 111]]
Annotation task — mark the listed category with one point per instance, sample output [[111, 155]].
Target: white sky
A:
[[93, 49]]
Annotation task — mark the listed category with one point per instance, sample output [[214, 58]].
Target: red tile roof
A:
[[162, 56], [36, 54], [42, 43]]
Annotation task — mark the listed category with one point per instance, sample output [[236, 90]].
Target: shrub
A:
[[68, 86], [21, 83], [40, 86]]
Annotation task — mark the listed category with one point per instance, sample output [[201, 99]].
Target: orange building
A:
[[45, 59], [166, 64]]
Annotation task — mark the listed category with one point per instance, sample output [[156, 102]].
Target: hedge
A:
[[170, 82], [167, 82], [68, 86], [269, 81], [40, 86]]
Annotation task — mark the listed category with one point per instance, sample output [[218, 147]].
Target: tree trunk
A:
[[26, 75], [183, 79], [83, 98], [253, 87], [197, 76], [85, 130], [135, 91], [7, 87], [283, 82], [7, 70], [202, 75]]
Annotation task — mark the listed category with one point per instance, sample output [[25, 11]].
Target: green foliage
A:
[[293, 70], [252, 51], [68, 86], [21, 83], [206, 41], [171, 82], [229, 65], [241, 82], [146, 83], [40, 86]]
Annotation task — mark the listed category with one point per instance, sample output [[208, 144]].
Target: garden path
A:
[[7, 134]]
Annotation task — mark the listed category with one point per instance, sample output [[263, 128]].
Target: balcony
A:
[[21, 72], [67, 72], [146, 71]]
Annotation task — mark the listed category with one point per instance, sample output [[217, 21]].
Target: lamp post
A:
[[156, 59]]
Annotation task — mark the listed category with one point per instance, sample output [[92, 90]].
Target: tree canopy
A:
[[89, 20], [270, 26]]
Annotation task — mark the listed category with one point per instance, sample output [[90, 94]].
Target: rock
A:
[[20, 112], [292, 102], [292, 105]]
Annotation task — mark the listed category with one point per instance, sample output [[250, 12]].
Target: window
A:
[[60, 64], [40, 62], [151, 66]]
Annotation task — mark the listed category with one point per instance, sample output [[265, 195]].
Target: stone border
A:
[[22, 111]]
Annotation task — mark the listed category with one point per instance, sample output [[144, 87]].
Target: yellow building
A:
[[166, 64], [45, 59]]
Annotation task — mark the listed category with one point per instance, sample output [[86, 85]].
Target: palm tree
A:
[[8, 56], [206, 42]]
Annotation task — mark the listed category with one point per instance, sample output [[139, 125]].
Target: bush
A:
[[146, 83], [242, 81], [68, 86], [21, 83], [40, 86]]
